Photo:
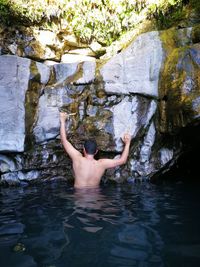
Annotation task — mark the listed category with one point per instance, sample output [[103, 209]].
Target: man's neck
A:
[[90, 157]]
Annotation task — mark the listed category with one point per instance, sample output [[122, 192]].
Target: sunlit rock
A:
[[44, 72], [14, 78], [131, 115], [136, 69], [64, 71], [76, 73], [36, 51], [48, 38], [13, 48], [69, 58], [82, 51], [88, 73], [125, 119], [70, 39], [98, 49], [48, 118]]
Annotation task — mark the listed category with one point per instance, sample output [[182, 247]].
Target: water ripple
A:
[[132, 225]]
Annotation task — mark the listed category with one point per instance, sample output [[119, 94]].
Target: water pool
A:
[[53, 225]]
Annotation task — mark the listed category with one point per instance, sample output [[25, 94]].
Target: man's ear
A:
[[96, 151], [84, 152]]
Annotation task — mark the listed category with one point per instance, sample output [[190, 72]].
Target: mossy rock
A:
[[19, 247], [196, 34]]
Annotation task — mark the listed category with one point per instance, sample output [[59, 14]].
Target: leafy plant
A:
[[101, 20]]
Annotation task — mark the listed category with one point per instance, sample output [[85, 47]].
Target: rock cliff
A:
[[150, 89]]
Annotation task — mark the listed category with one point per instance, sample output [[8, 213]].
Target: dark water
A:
[[133, 225]]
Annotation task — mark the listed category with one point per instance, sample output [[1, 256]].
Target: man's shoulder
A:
[[78, 157], [102, 161]]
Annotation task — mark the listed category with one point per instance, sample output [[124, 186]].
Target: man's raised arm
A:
[[111, 163], [71, 151]]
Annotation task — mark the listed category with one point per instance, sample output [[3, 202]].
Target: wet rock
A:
[[165, 155], [180, 89], [10, 163], [148, 142], [196, 34], [19, 247], [16, 177]]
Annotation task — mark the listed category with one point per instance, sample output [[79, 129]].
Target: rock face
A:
[[39, 44], [136, 69], [14, 79], [151, 90]]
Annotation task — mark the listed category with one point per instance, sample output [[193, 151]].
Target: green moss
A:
[[195, 4], [31, 102], [196, 34], [176, 108], [168, 38], [102, 21]]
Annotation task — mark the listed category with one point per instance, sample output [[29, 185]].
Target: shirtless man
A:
[[87, 170]]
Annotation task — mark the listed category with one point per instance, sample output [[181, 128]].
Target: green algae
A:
[[31, 103], [176, 98]]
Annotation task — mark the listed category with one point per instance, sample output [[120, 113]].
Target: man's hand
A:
[[126, 138], [63, 116]]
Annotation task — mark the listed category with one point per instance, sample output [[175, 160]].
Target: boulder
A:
[[14, 79], [136, 69]]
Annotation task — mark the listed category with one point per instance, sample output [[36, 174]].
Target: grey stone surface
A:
[[14, 78], [75, 72], [6, 164], [125, 120], [136, 69], [18, 176], [64, 71], [88, 76], [166, 155], [44, 72], [148, 142], [127, 117], [47, 126], [128, 104]]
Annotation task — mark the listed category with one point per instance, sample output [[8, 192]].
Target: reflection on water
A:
[[132, 225]]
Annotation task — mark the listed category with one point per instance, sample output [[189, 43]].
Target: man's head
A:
[[90, 147]]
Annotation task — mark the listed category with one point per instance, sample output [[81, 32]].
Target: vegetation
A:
[[101, 20]]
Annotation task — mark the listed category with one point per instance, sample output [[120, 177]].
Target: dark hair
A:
[[90, 147]]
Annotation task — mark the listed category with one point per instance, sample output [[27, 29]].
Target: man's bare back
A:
[[87, 170]]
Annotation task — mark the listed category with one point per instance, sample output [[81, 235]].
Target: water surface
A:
[[54, 225]]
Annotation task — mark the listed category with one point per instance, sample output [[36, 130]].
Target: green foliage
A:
[[4, 10], [166, 13], [101, 20], [195, 4]]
